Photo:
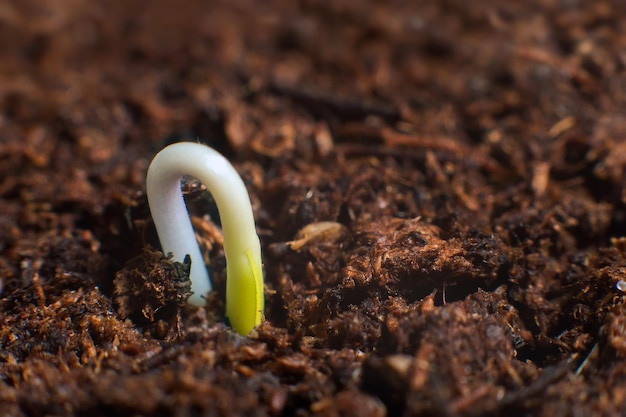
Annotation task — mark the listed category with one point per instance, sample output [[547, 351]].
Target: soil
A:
[[438, 188]]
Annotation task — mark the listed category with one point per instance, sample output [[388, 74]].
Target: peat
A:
[[468, 159]]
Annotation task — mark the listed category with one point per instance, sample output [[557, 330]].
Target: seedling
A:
[[244, 274]]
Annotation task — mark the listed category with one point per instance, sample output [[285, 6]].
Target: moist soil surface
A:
[[438, 187]]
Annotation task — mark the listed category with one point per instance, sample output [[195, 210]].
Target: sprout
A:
[[244, 275]]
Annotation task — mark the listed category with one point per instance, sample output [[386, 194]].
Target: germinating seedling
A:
[[244, 274]]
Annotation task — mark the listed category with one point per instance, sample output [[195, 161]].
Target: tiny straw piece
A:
[[244, 274]]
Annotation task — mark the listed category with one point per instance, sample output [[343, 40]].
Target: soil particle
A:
[[152, 288]]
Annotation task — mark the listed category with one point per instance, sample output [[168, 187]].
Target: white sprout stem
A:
[[241, 243]]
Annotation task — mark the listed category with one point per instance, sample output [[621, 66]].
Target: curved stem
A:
[[244, 276]]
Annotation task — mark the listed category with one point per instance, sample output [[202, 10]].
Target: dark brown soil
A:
[[470, 154]]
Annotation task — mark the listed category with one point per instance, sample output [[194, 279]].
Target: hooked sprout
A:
[[244, 274]]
